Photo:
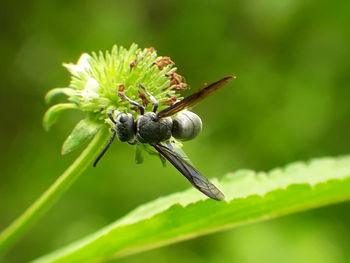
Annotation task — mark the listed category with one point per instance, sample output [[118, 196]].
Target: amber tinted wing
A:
[[191, 173], [194, 98]]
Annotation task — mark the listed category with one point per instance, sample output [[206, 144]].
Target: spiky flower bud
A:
[[96, 80]]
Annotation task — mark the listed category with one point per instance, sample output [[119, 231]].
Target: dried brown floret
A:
[[142, 96], [174, 78], [150, 50], [181, 86], [133, 64], [162, 62], [121, 88], [170, 101]]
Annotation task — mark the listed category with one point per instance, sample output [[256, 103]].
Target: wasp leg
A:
[[105, 148], [140, 107], [153, 99]]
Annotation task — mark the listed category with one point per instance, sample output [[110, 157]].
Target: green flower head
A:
[[96, 80]]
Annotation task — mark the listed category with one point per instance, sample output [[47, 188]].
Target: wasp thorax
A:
[[186, 125], [152, 130], [125, 127]]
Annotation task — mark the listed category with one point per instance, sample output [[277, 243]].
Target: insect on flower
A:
[[156, 128]]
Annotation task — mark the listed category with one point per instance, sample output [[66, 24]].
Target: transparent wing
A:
[[191, 173], [194, 98]]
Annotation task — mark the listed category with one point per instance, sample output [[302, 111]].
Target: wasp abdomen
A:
[[186, 125]]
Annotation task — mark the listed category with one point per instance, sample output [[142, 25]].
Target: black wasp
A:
[[154, 128]]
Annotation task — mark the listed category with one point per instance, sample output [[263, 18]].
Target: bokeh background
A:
[[291, 101]]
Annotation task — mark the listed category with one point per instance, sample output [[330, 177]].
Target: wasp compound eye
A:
[[123, 118]]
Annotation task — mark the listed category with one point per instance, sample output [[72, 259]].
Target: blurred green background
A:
[[291, 101]]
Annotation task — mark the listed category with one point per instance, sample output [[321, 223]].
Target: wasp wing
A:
[[191, 173], [194, 98]]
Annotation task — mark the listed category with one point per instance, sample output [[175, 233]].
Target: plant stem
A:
[[48, 198]]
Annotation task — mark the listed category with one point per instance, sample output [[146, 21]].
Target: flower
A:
[[90, 90], [81, 67], [96, 79]]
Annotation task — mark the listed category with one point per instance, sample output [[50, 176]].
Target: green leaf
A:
[[82, 132], [250, 197], [53, 112], [138, 154], [54, 93]]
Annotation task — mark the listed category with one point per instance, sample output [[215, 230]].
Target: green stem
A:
[[48, 198]]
